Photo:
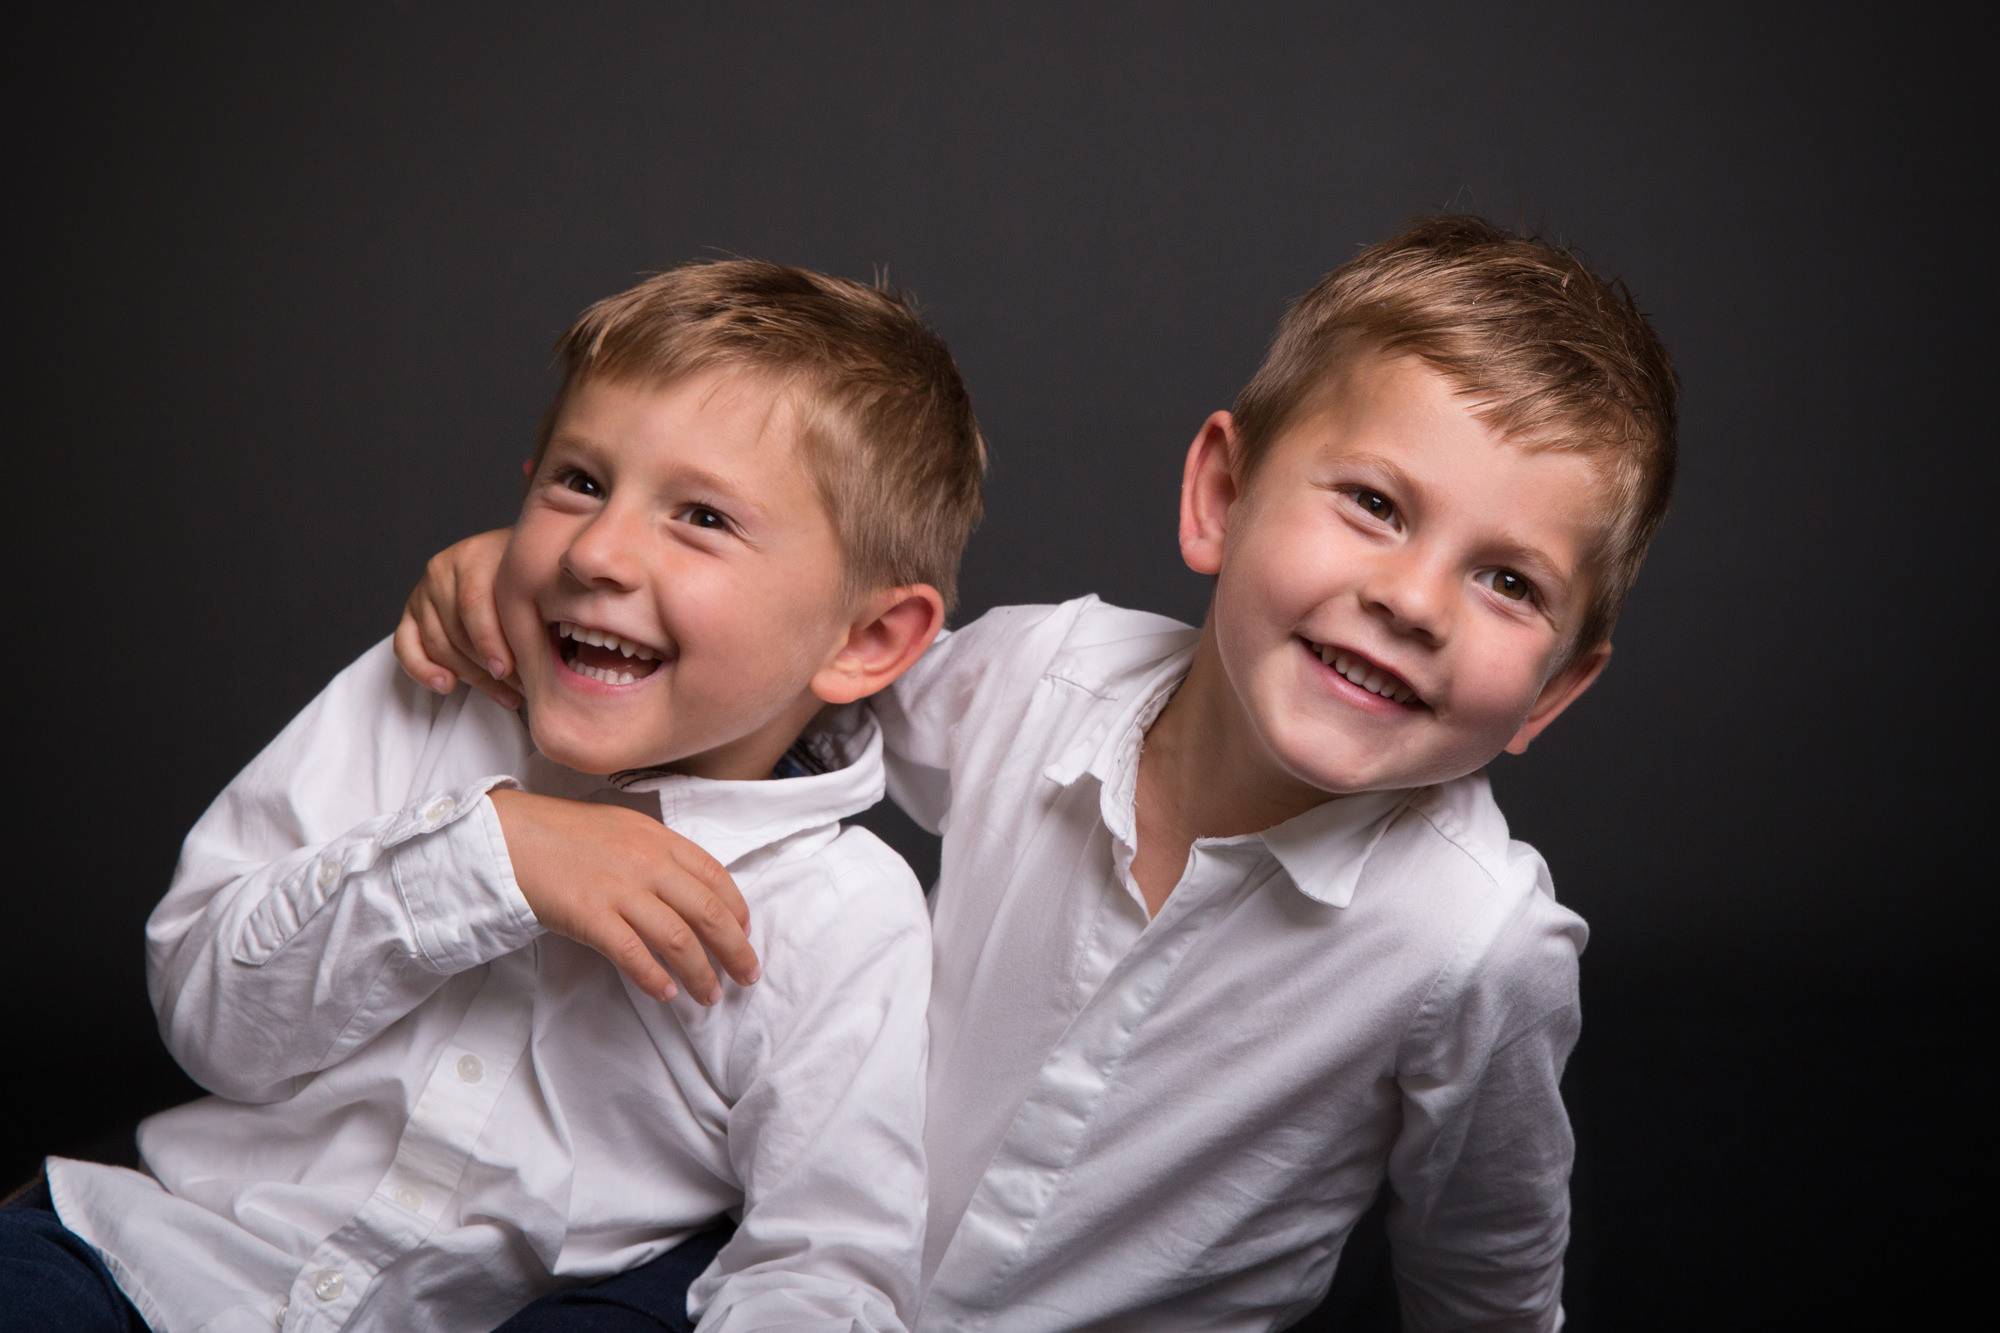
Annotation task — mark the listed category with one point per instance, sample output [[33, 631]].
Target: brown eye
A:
[[571, 479], [1376, 504], [1508, 584]]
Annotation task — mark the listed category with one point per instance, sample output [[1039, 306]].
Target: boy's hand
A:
[[450, 630], [630, 888]]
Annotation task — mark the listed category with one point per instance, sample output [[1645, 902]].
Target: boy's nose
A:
[[1414, 594], [602, 554]]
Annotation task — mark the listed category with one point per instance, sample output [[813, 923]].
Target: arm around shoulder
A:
[[953, 690]]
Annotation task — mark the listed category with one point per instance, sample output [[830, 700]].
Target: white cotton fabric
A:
[[429, 1111], [1174, 1124]]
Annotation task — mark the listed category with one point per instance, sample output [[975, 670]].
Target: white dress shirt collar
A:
[[732, 819], [1323, 850]]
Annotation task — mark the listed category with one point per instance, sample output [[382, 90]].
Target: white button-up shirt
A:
[[430, 1111], [1174, 1123]]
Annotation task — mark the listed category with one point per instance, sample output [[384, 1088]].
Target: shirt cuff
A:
[[450, 864]]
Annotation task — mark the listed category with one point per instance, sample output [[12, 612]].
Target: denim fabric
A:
[[645, 1299], [50, 1279]]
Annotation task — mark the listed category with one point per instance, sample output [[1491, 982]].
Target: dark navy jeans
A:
[[645, 1299], [50, 1279]]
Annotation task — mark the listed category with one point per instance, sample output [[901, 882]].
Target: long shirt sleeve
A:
[[1479, 1171], [303, 919]]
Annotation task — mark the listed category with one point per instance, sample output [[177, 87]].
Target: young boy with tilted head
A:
[[1229, 933], [434, 1102]]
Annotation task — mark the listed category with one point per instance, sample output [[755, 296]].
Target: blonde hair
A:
[[885, 422], [1559, 357]]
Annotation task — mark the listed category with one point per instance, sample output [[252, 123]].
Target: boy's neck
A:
[[752, 757], [1203, 773]]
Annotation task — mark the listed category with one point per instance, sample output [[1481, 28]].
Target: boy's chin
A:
[[579, 757]]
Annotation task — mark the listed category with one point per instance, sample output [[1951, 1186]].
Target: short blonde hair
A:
[[885, 422], [1560, 357]]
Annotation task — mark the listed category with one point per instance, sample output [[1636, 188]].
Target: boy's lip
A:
[[1364, 673], [631, 661]]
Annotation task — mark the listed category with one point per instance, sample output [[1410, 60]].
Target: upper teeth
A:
[[605, 639], [1368, 677]]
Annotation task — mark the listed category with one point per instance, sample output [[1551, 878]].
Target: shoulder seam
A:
[[1422, 810], [1057, 675]]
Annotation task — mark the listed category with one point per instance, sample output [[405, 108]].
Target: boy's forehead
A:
[[726, 422], [756, 403], [1372, 392]]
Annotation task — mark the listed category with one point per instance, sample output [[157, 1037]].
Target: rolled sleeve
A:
[[458, 882]]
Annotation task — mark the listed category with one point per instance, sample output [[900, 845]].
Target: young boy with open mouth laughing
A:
[[385, 947], [1229, 933]]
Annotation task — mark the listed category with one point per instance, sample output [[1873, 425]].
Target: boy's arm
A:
[[344, 875], [826, 1132], [1479, 1174], [328, 891], [967, 690]]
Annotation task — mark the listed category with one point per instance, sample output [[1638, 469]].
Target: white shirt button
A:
[[327, 1284], [329, 871], [407, 1198], [470, 1069], [440, 810]]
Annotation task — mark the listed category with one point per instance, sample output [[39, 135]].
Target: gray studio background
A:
[[285, 287]]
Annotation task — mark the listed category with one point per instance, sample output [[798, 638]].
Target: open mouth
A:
[[602, 655], [1370, 676]]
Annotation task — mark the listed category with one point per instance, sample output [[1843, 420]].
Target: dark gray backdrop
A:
[[287, 288]]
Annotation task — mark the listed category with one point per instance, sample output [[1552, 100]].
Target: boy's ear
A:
[[884, 640], [1564, 688], [1208, 492]]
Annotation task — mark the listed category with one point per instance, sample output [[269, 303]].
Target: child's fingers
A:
[[629, 954], [416, 662], [478, 613], [443, 647], [668, 937], [707, 872], [707, 899]]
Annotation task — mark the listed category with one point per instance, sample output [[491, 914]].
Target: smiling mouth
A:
[[1360, 671], [602, 655]]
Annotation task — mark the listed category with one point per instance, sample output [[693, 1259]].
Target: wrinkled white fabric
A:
[[430, 1111], [1174, 1123]]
